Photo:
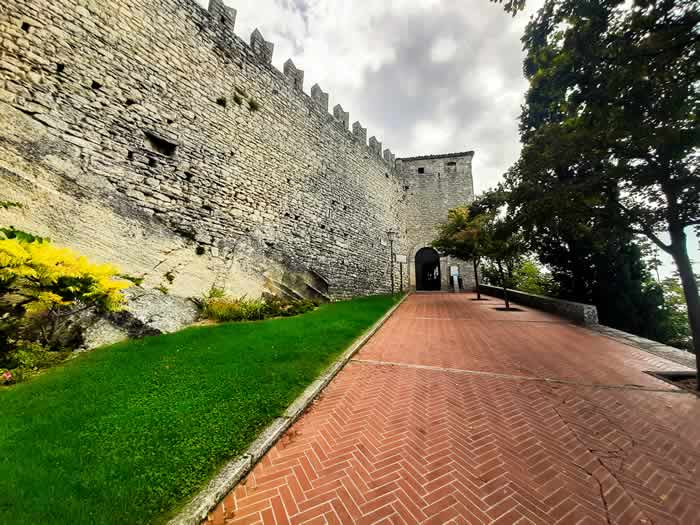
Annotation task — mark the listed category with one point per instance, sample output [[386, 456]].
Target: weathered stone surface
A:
[[102, 332], [162, 312], [581, 313]]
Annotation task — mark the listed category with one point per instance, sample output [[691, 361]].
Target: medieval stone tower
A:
[[150, 135]]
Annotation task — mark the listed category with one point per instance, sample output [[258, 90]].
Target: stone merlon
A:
[[261, 47]]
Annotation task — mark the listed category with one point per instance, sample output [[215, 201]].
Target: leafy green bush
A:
[[219, 307], [25, 359]]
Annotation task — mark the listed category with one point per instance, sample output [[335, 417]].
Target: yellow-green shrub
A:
[[220, 307], [42, 286]]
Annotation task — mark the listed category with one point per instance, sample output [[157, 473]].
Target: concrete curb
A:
[[228, 477]]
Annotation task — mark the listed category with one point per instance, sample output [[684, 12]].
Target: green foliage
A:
[[219, 307], [42, 287], [26, 358], [136, 280], [609, 133], [13, 233], [526, 276], [126, 434], [462, 235], [676, 314], [511, 6], [6, 205]]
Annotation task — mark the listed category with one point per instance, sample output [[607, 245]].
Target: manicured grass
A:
[[127, 433]]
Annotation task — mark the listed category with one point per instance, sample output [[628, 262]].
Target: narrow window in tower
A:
[[451, 167]]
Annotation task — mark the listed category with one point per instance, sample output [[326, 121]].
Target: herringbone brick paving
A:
[[396, 443]]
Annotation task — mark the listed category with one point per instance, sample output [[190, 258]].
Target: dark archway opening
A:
[[427, 269]]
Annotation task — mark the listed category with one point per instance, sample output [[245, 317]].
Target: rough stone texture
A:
[[150, 135], [671, 353], [432, 185], [162, 312], [578, 312], [102, 332], [146, 312]]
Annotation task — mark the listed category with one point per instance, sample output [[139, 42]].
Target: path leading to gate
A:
[[456, 412]]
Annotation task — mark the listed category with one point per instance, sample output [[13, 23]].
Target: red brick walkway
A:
[[444, 417]]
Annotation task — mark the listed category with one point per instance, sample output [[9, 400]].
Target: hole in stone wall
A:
[[130, 102], [160, 145], [386, 175], [26, 27], [189, 176], [130, 155], [169, 121], [405, 188], [289, 180], [199, 250], [286, 214], [421, 170], [223, 20], [60, 68], [345, 208], [323, 226], [207, 207], [96, 85], [296, 217], [152, 163], [221, 101]]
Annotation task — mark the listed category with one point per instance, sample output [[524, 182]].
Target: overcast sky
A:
[[424, 76]]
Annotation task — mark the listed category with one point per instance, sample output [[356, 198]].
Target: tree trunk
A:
[[503, 285], [476, 278], [679, 251]]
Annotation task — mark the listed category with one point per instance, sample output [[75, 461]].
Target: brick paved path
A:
[[444, 417]]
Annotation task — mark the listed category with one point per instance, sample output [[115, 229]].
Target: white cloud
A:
[[443, 50]]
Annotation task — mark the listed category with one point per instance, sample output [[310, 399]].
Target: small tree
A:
[[42, 286], [505, 247], [462, 236]]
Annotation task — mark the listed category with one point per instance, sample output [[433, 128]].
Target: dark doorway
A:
[[427, 269]]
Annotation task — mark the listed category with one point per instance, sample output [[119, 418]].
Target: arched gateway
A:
[[427, 269]]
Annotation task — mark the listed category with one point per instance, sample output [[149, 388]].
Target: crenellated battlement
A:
[[225, 17], [295, 76], [320, 97], [222, 15], [360, 133], [261, 47]]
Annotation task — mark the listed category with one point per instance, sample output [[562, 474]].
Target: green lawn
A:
[[125, 434]]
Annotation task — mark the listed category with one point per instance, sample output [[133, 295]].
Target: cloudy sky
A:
[[424, 76]]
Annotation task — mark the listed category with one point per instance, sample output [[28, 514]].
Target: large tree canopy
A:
[[610, 127]]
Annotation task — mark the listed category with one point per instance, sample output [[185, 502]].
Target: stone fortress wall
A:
[[149, 134], [435, 184]]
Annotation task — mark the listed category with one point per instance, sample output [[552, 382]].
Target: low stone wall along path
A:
[[455, 412]]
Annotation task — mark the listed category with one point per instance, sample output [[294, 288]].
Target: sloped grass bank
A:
[[127, 433]]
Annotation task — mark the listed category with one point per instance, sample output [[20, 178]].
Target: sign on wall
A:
[[401, 258]]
